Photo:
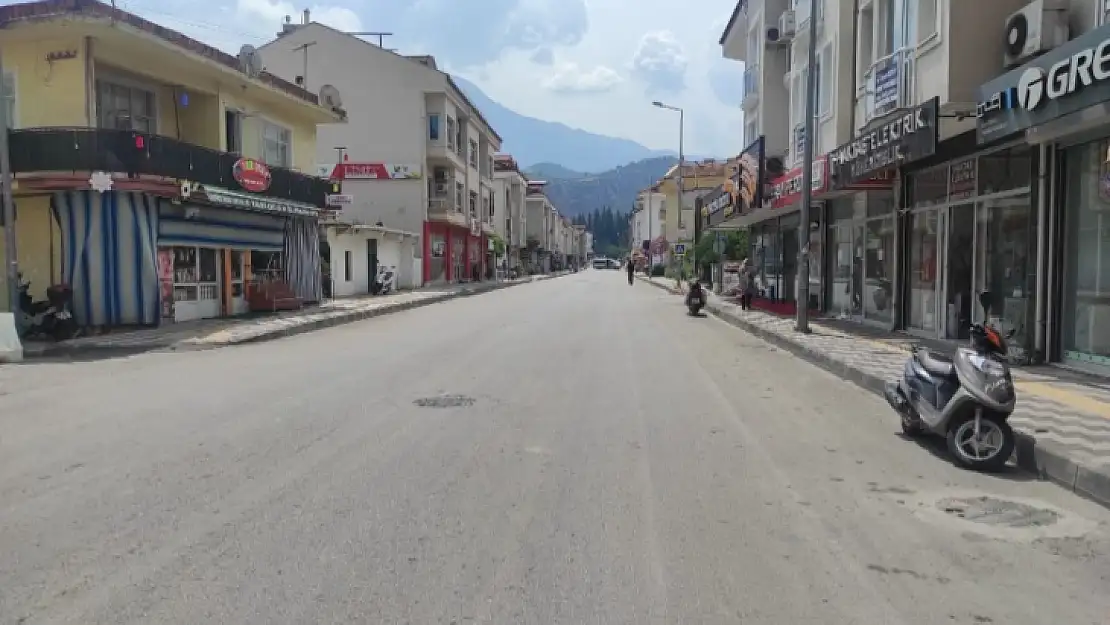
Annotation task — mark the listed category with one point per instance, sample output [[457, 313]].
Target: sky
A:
[[590, 64]]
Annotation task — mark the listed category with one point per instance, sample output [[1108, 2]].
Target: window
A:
[[458, 196], [927, 17], [866, 50], [451, 133], [749, 132], [7, 94], [347, 265], [121, 107], [473, 156], [473, 204], [277, 144], [433, 127], [459, 138], [826, 68]]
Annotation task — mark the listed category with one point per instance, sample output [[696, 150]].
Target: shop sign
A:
[[339, 199], [375, 171], [752, 173], [261, 204], [963, 176], [787, 189], [909, 137], [252, 175], [1061, 81], [716, 206]]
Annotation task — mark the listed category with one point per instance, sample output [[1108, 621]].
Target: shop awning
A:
[[254, 203], [340, 226]]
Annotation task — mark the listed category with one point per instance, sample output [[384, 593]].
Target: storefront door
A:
[[924, 286], [959, 261], [371, 264]]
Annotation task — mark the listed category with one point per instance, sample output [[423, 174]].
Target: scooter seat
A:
[[936, 363]]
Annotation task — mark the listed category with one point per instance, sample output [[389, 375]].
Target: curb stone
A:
[[1046, 460], [267, 335]]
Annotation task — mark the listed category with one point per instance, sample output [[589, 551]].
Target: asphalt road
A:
[[613, 461]]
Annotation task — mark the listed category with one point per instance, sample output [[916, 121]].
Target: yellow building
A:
[[154, 174], [697, 179]]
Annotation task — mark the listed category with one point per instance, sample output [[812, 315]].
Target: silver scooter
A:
[[967, 398]]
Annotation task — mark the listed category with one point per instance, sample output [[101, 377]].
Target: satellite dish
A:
[[250, 63], [329, 97]]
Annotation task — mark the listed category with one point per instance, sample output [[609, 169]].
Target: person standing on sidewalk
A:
[[747, 284], [631, 270]]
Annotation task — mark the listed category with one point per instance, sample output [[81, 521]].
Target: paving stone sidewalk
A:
[[213, 333], [1063, 423]]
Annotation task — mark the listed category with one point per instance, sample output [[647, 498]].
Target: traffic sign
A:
[[680, 249]]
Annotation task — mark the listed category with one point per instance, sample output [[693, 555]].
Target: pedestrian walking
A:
[[631, 270], [747, 284]]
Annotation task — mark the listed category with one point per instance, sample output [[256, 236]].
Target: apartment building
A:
[[1043, 203], [539, 228], [510, 188], [648, 221], [415, 159], [973, 162], [162, 179]]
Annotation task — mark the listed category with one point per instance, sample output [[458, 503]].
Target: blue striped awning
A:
[[209, 226]]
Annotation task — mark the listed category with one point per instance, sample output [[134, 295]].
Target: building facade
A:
[[510, 187], [161, 179], [415, 159]]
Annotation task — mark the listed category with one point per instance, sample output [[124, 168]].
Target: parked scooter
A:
[[695, 298], [51, 318], [385, 282], [966, 399]]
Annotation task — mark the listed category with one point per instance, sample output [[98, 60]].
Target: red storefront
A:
[[454, 253]]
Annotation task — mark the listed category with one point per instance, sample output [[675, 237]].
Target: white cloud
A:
[[660, 61], [570, 78]]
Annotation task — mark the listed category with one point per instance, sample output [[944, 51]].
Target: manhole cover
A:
[[997, 512], [445, 401]]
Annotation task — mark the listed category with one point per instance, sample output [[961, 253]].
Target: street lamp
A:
[[802, 319], [681, 159]]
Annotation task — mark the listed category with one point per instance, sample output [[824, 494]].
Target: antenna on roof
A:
[[381, 36]]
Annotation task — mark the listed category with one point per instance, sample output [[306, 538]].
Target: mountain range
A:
[[532, 141], [577, 193]]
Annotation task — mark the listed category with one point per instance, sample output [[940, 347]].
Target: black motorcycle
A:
[[695, 298], [52, 318]]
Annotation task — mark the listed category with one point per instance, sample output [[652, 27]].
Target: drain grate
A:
[[445, 401], [997, 512]]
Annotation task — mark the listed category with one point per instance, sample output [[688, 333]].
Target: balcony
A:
[[888, 86], [124, 151], [751, 87]]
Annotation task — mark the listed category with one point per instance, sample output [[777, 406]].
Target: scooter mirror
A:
[[985, 302]]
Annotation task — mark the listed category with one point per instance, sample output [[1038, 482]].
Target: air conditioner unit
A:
[[1038, 27], [787, 24], [774, 36]]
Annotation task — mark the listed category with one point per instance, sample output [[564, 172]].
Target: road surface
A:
[[575, 451]]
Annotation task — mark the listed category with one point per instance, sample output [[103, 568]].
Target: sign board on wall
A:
[[787, 189], [339, 199], [374, 171], [909, 137]]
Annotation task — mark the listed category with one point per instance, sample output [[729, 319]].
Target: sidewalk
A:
[[213, 333], [1062, 418]]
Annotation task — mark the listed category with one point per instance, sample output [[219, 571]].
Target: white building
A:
[[509, 190], [417, 164]]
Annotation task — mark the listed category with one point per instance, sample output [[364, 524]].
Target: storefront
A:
[[455, 253], [863, 250], [1054, 237]]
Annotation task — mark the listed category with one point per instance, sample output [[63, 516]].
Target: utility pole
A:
[[802, 320], [11, 260]]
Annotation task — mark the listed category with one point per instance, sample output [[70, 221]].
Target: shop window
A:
[[185, 274], [236, 273], [929, 187], [1005, 170], [922, 310], [1003, 259], [879, 266], [209, 271], [1086, 336]]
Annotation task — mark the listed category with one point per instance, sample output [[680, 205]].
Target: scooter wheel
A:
[[988, 452]]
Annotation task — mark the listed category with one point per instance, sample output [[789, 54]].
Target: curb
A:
[[1046, 460], [301, 328]]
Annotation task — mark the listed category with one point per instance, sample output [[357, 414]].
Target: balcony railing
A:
[[889, 84], [125, 151], [751, 84]]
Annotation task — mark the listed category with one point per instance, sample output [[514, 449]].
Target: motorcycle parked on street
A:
[[53, 318], [967, 398], [385, 282], [695, 298]]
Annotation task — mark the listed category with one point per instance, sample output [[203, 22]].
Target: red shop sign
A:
[[787, 189], [252, 175]]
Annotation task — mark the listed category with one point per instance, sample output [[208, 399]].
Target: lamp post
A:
[[802, 319], [681, 159]]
